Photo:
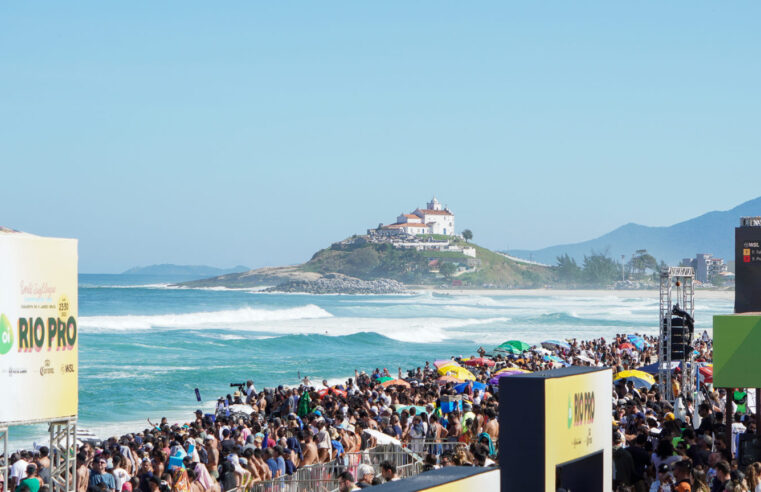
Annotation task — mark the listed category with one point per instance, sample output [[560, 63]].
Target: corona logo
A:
[[6, 335]]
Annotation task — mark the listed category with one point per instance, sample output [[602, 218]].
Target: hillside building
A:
[[434, 219], [706, 266]]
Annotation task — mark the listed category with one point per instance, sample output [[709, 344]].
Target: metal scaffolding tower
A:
[[677, 288]]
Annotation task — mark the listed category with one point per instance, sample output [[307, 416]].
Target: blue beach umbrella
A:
[[637, 341], [552, 344], [555, 358], [460, 388]]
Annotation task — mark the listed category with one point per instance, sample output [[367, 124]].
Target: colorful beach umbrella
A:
[[514, 346], [707, 373], [463, 387], [640, 379], [637, 341], [555, 344], [443, 362], [479, 361], [555, 358], [383, 379], [627, 345], [496, 378], [513, 370], [448, 379], [395, 382], [334, 390], [457, 371]]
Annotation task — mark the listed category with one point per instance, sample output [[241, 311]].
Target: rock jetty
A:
[[334, 283]]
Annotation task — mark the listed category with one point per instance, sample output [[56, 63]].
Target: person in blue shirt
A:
[[271, 462], [99, 476], [279, 460]]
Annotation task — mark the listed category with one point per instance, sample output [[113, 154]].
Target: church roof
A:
[[428, 211], [406, 224]]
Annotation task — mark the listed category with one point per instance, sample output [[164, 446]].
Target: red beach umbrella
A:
[[479, 361]]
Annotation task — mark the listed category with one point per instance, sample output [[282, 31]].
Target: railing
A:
[[434, 447], [324, 477]]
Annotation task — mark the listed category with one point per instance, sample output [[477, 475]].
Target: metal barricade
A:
[[434, 447], [324, 477]]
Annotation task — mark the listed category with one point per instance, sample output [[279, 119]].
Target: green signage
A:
[[736, 349]]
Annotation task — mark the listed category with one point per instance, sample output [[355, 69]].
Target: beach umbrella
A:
[[395, 382], [457, 371], [383, 379], [463, 387], [333, 390], [555, 344], [555, 358], [539, 350], [640, 379], [707, 373], [479, 361], [584, 358], [637, 341], [513, 370], [495, 379], [443, 362], [626, 345], [448, 379], [418, 408], [515, 346]]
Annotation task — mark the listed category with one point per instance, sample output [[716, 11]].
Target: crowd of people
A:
[[260, 438]]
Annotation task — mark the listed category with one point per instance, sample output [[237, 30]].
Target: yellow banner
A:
[[578, 420], [38, 328]]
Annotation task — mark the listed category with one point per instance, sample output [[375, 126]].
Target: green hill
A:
[[359, 258]]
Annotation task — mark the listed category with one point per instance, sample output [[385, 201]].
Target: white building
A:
[[434, 219]]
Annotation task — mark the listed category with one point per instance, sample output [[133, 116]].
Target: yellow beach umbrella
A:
[[640, 378], [456, 371]]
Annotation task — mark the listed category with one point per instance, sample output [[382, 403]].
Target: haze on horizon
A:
[[188, 133]]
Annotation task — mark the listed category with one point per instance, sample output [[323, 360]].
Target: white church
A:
[[434, 219]]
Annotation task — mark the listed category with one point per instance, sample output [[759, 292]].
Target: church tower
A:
[[434, 204]]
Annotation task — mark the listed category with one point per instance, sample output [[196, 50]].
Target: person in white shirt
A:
[[250, 391], [120, 474], [18, 469]]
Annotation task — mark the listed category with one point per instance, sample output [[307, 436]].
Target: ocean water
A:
[[145, 346]]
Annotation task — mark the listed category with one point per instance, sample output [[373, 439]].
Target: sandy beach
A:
[[639, 294]]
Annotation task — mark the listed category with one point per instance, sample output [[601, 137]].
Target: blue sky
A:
[[257, 133]]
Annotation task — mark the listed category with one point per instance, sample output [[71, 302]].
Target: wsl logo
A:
[[6, 335]]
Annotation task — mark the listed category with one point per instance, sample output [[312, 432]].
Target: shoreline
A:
[[640, 294]]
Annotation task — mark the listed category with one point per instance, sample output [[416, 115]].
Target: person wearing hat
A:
[[664, 479], [623, 463]]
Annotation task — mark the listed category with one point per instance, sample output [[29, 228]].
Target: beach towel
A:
[[488, 437], [303, 409]]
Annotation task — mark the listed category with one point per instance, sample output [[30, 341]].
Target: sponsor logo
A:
[[67, 369], [583, 408], [36, 333], [6, 335], [46, 368], [13, 371]]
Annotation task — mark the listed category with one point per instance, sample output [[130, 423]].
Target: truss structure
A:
[[677, 287], [63, 468]]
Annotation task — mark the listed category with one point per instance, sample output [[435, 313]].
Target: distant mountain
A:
[[190, 270], [709, 233]]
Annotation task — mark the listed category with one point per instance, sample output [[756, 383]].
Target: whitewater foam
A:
[[204, 319]]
